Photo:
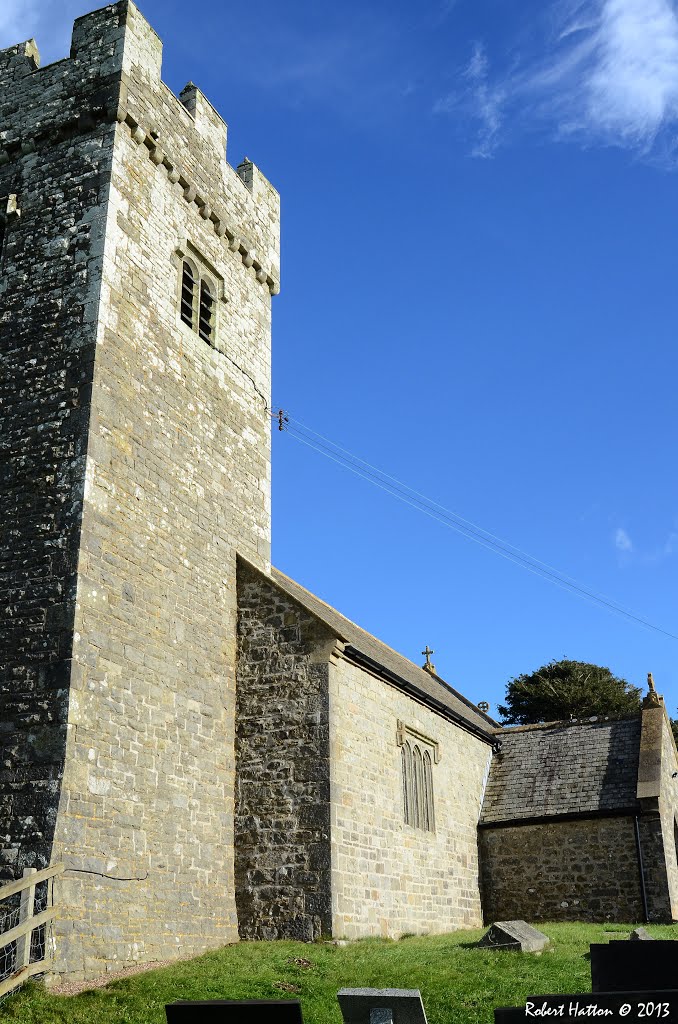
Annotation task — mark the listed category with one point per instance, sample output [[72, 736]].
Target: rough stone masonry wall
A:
[[389, 878], [582, 870], [282, 862], [56, 146], [177, 479]]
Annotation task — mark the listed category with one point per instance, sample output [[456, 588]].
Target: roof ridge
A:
[[567, 722]]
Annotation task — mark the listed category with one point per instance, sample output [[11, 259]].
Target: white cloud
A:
[[479, 99], [632, 87], [602, 71], [622, 541]]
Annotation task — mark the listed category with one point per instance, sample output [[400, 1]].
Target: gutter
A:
[[544, 819]]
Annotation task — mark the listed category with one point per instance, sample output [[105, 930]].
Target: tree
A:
[[567, 689]]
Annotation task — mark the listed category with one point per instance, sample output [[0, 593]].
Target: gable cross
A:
[[429, 666]]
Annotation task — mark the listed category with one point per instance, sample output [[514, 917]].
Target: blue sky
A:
[[478, 298]]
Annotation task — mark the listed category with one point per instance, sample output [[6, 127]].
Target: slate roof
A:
[[429, 688], [563, 768]]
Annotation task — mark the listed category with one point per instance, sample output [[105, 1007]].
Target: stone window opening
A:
[[206, 312], [417, 784], [187, 293], [197, 300], [9, 210]]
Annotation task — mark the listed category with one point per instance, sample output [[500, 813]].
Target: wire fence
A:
[[26, 920]]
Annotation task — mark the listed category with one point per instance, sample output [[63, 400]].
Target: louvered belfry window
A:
[[198, 300], [187, 294], [206, 312]]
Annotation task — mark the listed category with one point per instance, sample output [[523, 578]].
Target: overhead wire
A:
[[422, 503], [437, 504]]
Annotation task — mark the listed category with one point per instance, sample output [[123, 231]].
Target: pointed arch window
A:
[[428, 820], [417, 757], [406, 758]]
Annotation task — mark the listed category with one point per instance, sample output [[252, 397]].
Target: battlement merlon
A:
[[18, 60], [113, 75]]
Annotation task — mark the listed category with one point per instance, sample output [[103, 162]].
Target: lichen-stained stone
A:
[[134, 462]]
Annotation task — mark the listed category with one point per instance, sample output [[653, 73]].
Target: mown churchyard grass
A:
[[459, 983]]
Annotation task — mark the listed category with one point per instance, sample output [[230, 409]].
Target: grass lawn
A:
[[459, 984]]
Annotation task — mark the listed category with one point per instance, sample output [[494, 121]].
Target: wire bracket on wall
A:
[[281, 418]]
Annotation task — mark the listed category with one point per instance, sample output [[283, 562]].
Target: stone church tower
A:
[[136, 275]]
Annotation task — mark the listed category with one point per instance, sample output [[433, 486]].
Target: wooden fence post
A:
[[23, 943]]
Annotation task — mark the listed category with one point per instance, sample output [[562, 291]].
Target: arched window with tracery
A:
[[416, 764]]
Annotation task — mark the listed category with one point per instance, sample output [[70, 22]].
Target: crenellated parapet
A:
[[237, 237], [113, 76]]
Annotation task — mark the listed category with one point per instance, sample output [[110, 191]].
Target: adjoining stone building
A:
[[579, 821], [208, 748]]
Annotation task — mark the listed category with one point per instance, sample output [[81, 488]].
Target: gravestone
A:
[[381, 1006], [631, 984], [234, 1011], [639, 934], [516, 935], [509, 1015], [634, 966], [616, 1007]]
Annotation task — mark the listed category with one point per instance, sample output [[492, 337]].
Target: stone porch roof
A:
[[373, 655]]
